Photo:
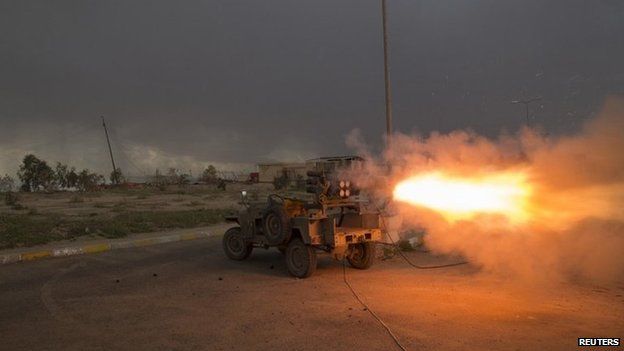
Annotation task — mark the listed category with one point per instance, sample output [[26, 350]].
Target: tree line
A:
[[36, 174]]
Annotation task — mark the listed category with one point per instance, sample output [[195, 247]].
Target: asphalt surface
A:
[[188, 296]]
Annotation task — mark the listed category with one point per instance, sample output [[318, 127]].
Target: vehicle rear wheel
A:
[[362, 255], [234, 244], [300, 259]]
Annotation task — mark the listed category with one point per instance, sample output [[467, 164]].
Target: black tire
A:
[[235, 246], [362, 255], [300, 259], [276, 225]]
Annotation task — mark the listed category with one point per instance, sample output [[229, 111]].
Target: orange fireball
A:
[[456, 198]]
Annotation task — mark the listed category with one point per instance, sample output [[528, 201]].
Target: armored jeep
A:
[[336, 221]]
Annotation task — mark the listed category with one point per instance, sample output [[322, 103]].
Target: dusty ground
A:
[[188, 296]]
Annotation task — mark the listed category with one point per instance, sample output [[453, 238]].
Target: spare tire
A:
[[276, 225]]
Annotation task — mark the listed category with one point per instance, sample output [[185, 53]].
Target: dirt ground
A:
[[188, 296]]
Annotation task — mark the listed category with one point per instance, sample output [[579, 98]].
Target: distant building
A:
[[267, 172], [330, 164]]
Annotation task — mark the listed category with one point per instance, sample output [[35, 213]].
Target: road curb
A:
[[96, 248]]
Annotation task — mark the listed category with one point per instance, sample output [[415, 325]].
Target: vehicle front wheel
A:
[[362, 255], [300, 259], [234, 244]]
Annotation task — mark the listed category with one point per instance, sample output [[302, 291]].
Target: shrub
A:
[[89, 181], [209, 175], [7, 183], [35, 174]]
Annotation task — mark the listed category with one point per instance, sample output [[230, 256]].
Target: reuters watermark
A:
[[599, 342]]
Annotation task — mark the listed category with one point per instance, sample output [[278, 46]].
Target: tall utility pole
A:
[[110, 151], [526, 104], [386, 77]]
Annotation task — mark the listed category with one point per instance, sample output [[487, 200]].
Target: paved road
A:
[[187, 296]]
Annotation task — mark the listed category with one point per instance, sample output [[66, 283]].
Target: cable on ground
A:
[[398, 249], [372, 313]]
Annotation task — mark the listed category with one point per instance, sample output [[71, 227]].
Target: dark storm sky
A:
[[185, 83]]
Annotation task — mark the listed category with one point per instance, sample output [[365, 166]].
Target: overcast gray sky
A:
[[186, 83]]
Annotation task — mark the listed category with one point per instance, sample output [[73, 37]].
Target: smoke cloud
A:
[[576, 226]]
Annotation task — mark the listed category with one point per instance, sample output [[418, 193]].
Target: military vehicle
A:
[[336, 221]]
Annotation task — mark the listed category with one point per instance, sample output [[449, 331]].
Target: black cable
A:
[[398, 249], [357, 297], [392, 245], [419, 266], [384, 325]]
